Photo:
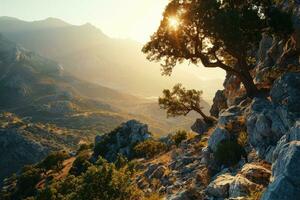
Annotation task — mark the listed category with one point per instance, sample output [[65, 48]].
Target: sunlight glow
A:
[[173, 22]]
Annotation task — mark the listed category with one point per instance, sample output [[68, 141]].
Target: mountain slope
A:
[[50, 110], [40, 88]]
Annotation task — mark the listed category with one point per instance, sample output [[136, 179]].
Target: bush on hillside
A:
[[81, 163], [229, 153], [149, 148], [26, 182], [107, 182], [179, 137], [84, 147], [100, 149], [53, 161], [121, 161]]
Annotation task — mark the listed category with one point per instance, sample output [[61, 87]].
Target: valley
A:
[[61, 109]]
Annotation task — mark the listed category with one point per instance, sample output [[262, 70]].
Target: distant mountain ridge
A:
[[87, 53]]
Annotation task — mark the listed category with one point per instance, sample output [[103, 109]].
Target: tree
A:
[[53, 161], [107, 183], [223, 34], [26, 182], [81, 163], [180, 101]]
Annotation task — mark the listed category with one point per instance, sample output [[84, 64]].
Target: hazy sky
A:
[[135, 19]]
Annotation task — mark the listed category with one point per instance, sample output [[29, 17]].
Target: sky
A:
[[132, 19]]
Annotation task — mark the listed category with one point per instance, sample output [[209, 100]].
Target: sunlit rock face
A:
[[271, 120]]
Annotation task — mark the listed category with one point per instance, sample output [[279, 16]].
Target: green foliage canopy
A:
[[214, 33]]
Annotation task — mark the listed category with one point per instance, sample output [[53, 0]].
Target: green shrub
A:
[[53, 161], [64, 189], [81, 163], [179, 137], [107, 182], [26, 182], [149, 148], [121, 161], [46, 194], [84, 147], [100, 149], [229, 153]]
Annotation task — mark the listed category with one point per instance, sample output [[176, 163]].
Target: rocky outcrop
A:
[[265, 127], [256, 173], [122, 140], [285, 94], [269, 120], [241, 187], [219, 103], [252, 177], [220, 186], [286, 173], [232, 90]]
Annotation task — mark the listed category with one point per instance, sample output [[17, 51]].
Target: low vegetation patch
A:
[[81, 163], [179, 137], [149, 148], [53, 161], [229, 153]]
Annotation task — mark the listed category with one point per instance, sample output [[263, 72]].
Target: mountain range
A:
[[87, 53]]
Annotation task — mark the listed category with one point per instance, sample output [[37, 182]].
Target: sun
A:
[[173, 22]]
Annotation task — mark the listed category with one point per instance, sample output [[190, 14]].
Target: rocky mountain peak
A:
[[122, 140]]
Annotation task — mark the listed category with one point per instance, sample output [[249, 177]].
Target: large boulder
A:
[[199, 126], [122, 140], [220, 186], [234, 187], [265, 127], [232, 85], [229, 116], [256, 173], [292, 135], [241, 187], [219, 103], [219, 135], [286, 94], [286, 174]]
